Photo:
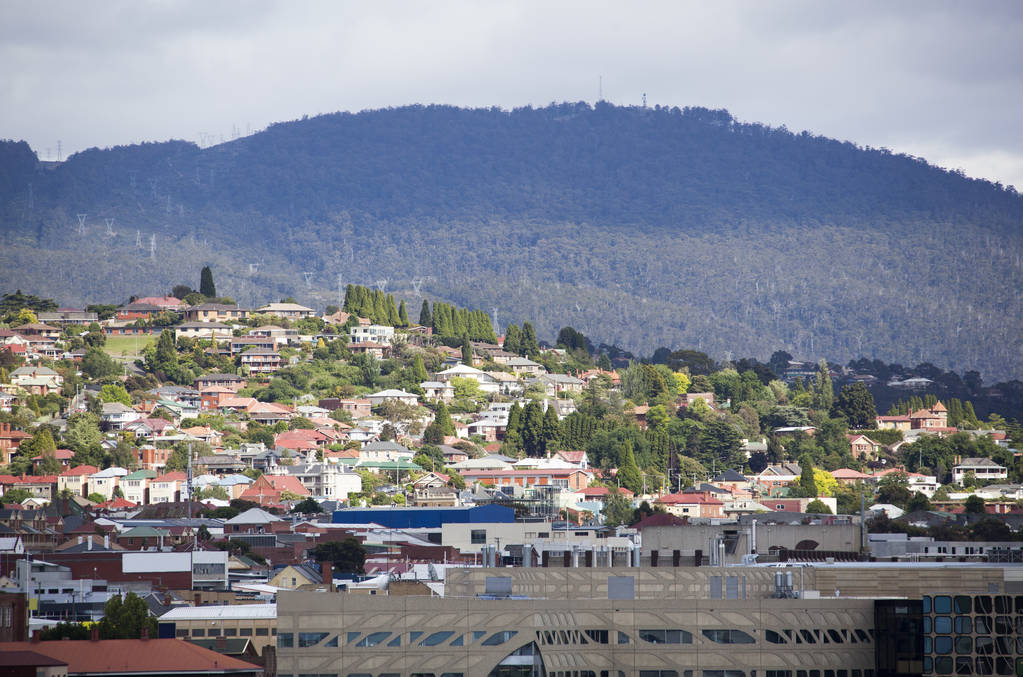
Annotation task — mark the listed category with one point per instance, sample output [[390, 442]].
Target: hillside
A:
[[641, 227]]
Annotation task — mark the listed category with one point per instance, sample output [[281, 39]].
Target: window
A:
[[724, 673], [436, 638], [478, 536], [774, 638], [230, 632], [623, 638], [198, 632], [658, 673], [598, 636], [262, 632], [728, 637], [498, 638], [245, 632], [666, 636], [963, 625], [285, 640], [373, 639]]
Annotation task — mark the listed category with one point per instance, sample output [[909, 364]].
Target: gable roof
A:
[[730, 475], [135, 656]]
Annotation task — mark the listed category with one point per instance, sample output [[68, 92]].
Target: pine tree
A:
[[551, 435], [443, 419], [166, 353], [823, 391], [513, 432], [425, 316], [512, 339], [628, 472], [528, 346], [393, 318], [419, 370], [403, 315], [349, 304], [466, 350], [206, 286], [531, 429], [807, 482]]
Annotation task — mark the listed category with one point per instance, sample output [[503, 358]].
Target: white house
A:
[[983, 469], [372, 333], [116, 416], [104, 481], [393, 394]]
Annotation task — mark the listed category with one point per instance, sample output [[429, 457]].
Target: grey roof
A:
[[978, 462], [730, 475], [385, 446]]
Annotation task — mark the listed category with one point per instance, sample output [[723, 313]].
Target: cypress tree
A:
[[628, 471], [466, 350], [425, 316], [513, 433], [393, 319], [443, 419], [551, 431], [206, 286], [403, 315], [528, 345], [512, 339], [419, 370], [349, 305], [532, 429]]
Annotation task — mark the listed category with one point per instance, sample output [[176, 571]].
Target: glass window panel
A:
[[310, 638], [927, 625], [623, 638], [963, 604], [774, 637], [862, 635], [836, 637], [942, 604], [1003, 666], [982, 625], [927, 604], [352, 636], [499, 638], [983, 604], [928, 645], [436, 638], [964, 645], [1003, 625], [964, 625], [396, 641], [942, 624], [807, 636], [1003, 604], [943, 665], [985, 666], [983, 645], [459, 641], [928, 664], [373, 638], [414, 635], [1003, 646], [285, 640], [964, 665], [942, 644]]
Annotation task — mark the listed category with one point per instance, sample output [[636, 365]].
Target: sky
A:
[[939, 80]]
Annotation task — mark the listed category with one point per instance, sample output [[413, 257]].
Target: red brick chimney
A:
[[327, 570], [95, 635], [145, 634]]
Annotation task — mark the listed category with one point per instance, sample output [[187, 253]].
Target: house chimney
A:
[[327, 571], [145, 634], [221, 642], [89, 547], [37, 636], [95, 635], [106, 541]]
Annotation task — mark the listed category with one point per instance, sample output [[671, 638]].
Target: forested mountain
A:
[[641, 227]]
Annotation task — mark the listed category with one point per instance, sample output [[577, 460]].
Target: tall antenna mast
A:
[[340, 294], [60, 154], [644, 99], [600, 88]]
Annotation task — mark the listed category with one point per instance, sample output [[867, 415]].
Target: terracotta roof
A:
[[848, 474], [59, 454], [594, 492], [137, 656], [37, 479], [116, 504], [675, 499], [80, 470], [571, 456], [15, 435], [176, 475], [939, 407]]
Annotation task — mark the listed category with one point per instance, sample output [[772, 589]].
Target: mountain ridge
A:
[[643, 227]]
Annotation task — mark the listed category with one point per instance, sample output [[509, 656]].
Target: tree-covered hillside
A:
[[641, 227]]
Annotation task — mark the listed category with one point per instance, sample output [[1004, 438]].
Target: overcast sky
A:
[[942, 80]]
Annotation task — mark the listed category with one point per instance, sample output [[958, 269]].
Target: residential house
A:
[[10, 440], [983, 469], [63, 457], [260, 361], [7, 401], [438, 390], [779, 475], [393, 395], [138, 311], [268, 489], [358, 408], [65, 316], [863, 447], [214, 331], [294, 576], [214, 312], [162, 302], [373, 333], [115, 416], [374, 350], [384, 451], [232, 382], [573, 479], [558, 384], [241, 344], [40, 486], [168, 488], [576, 458], [76, 480], [525, 367], [135, 486], [691, 505], [279, 334], [36, 380], [38, 330], [269, 413], [330, 481], [104, 482], [290, 311]]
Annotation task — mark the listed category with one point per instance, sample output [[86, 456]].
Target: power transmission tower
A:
[[152, 247], [417, 285], [497, 327], [382, 285], [253, 268], [138, 239], [308, 274], [340, 293], [81, 224], [110, 227]]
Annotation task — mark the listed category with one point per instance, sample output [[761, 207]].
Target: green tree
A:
[[206, 286], [16, 496], [528, 345], [114, 393], [974, 505], [466, 350], [617, 509], [512, 339], [126, 619], [443, 419], [403, 315], [894, 488], [419, 373], [531, 429], [818, 507], [856, 404], [348, 556], [918, 501], [307, 506], [823, 395], [425, 316], [628, 472], [807, 481], [551, 432], [48, 464], [96, 364]]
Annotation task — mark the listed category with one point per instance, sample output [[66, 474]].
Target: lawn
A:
[[116, 345]]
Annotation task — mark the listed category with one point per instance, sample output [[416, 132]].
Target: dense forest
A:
[[642, 227]]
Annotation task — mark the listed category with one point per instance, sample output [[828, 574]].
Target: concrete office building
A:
[[844, 620]]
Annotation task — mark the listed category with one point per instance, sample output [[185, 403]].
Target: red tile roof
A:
[[598, 492], [176, 475], [137, 656], [685, 499], [116, 504], [80, 470]]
